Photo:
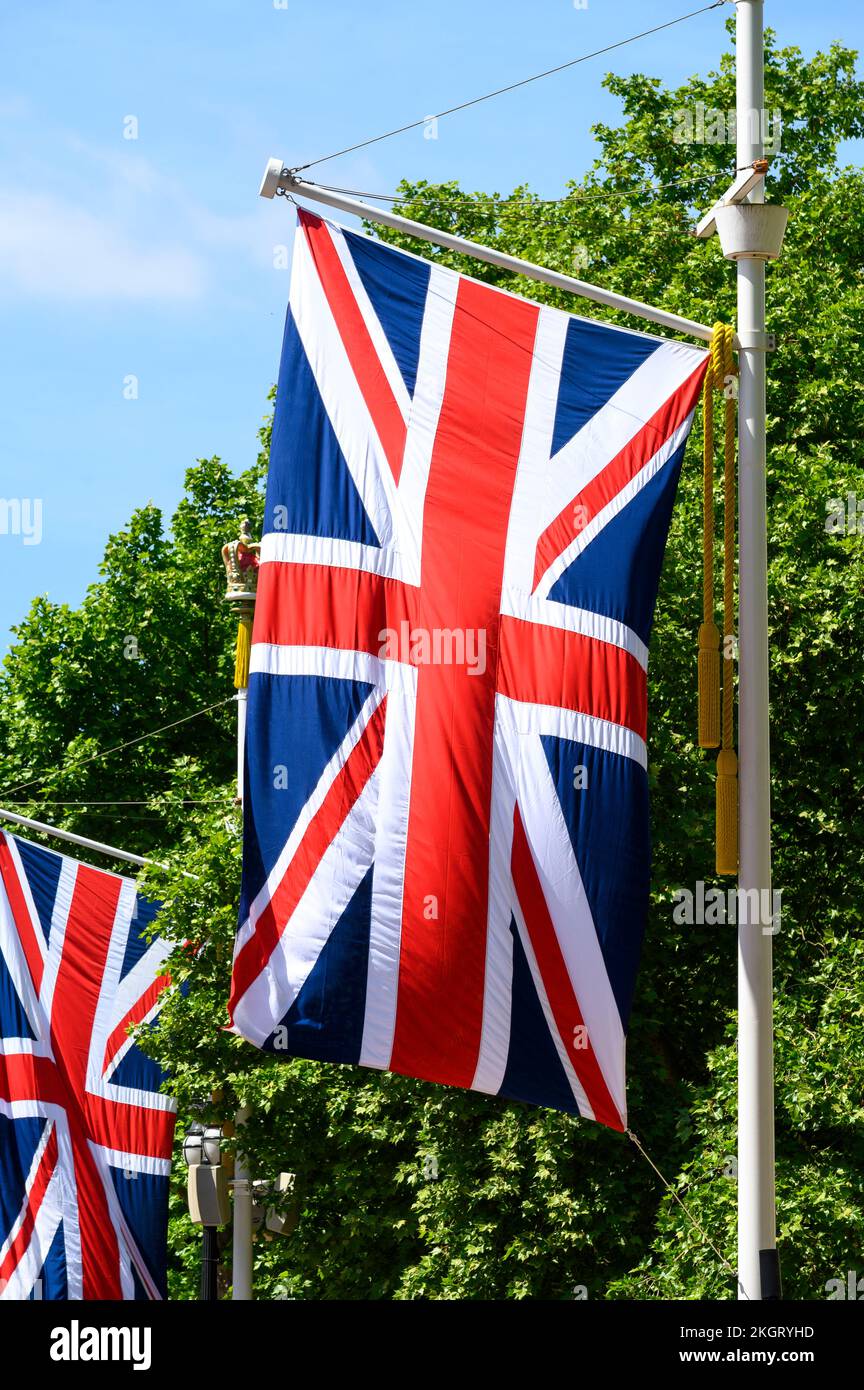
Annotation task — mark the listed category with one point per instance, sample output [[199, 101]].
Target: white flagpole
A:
[[241, 1239], [241, 1231], [758, 1270]]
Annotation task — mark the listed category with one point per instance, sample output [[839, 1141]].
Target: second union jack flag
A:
[[446, 859], [85, 1133]]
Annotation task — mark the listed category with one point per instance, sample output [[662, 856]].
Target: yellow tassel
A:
[[727, 811], [244, 648], [709, 636], [716, 710], [709, 686]]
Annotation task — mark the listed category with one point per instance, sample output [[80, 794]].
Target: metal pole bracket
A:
[[753, 341]]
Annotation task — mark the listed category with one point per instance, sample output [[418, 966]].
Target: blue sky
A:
[[154, 258]]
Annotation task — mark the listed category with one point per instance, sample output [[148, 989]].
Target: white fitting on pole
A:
[[276, 178], [753, 231], [756, 1201]]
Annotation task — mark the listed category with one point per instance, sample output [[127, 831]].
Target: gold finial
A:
[[241, 559]]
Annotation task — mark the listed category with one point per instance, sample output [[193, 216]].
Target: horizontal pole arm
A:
[[278, 179], [745, 181], [82, 840]]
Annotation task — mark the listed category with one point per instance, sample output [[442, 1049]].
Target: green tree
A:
[[407, 1190]]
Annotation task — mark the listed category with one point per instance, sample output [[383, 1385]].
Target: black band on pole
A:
[[209, 1264], [769, 1275]]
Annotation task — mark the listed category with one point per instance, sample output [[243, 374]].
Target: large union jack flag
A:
[[85, 1134], [447, 841]]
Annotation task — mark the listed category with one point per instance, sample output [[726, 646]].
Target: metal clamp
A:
[[751, 341]]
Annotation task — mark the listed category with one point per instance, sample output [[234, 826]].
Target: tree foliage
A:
[[407, 1190]]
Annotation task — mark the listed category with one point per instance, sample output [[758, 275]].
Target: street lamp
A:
[[192, 1143], [208, 1197]]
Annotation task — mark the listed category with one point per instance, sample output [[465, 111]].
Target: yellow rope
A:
[[709, 636], [716, 726], [244, 649]]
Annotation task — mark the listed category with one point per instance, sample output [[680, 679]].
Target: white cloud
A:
[[117, 226], [140, 192], [53, 247]]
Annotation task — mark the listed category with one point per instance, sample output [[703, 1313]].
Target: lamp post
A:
[[208, 1198]]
